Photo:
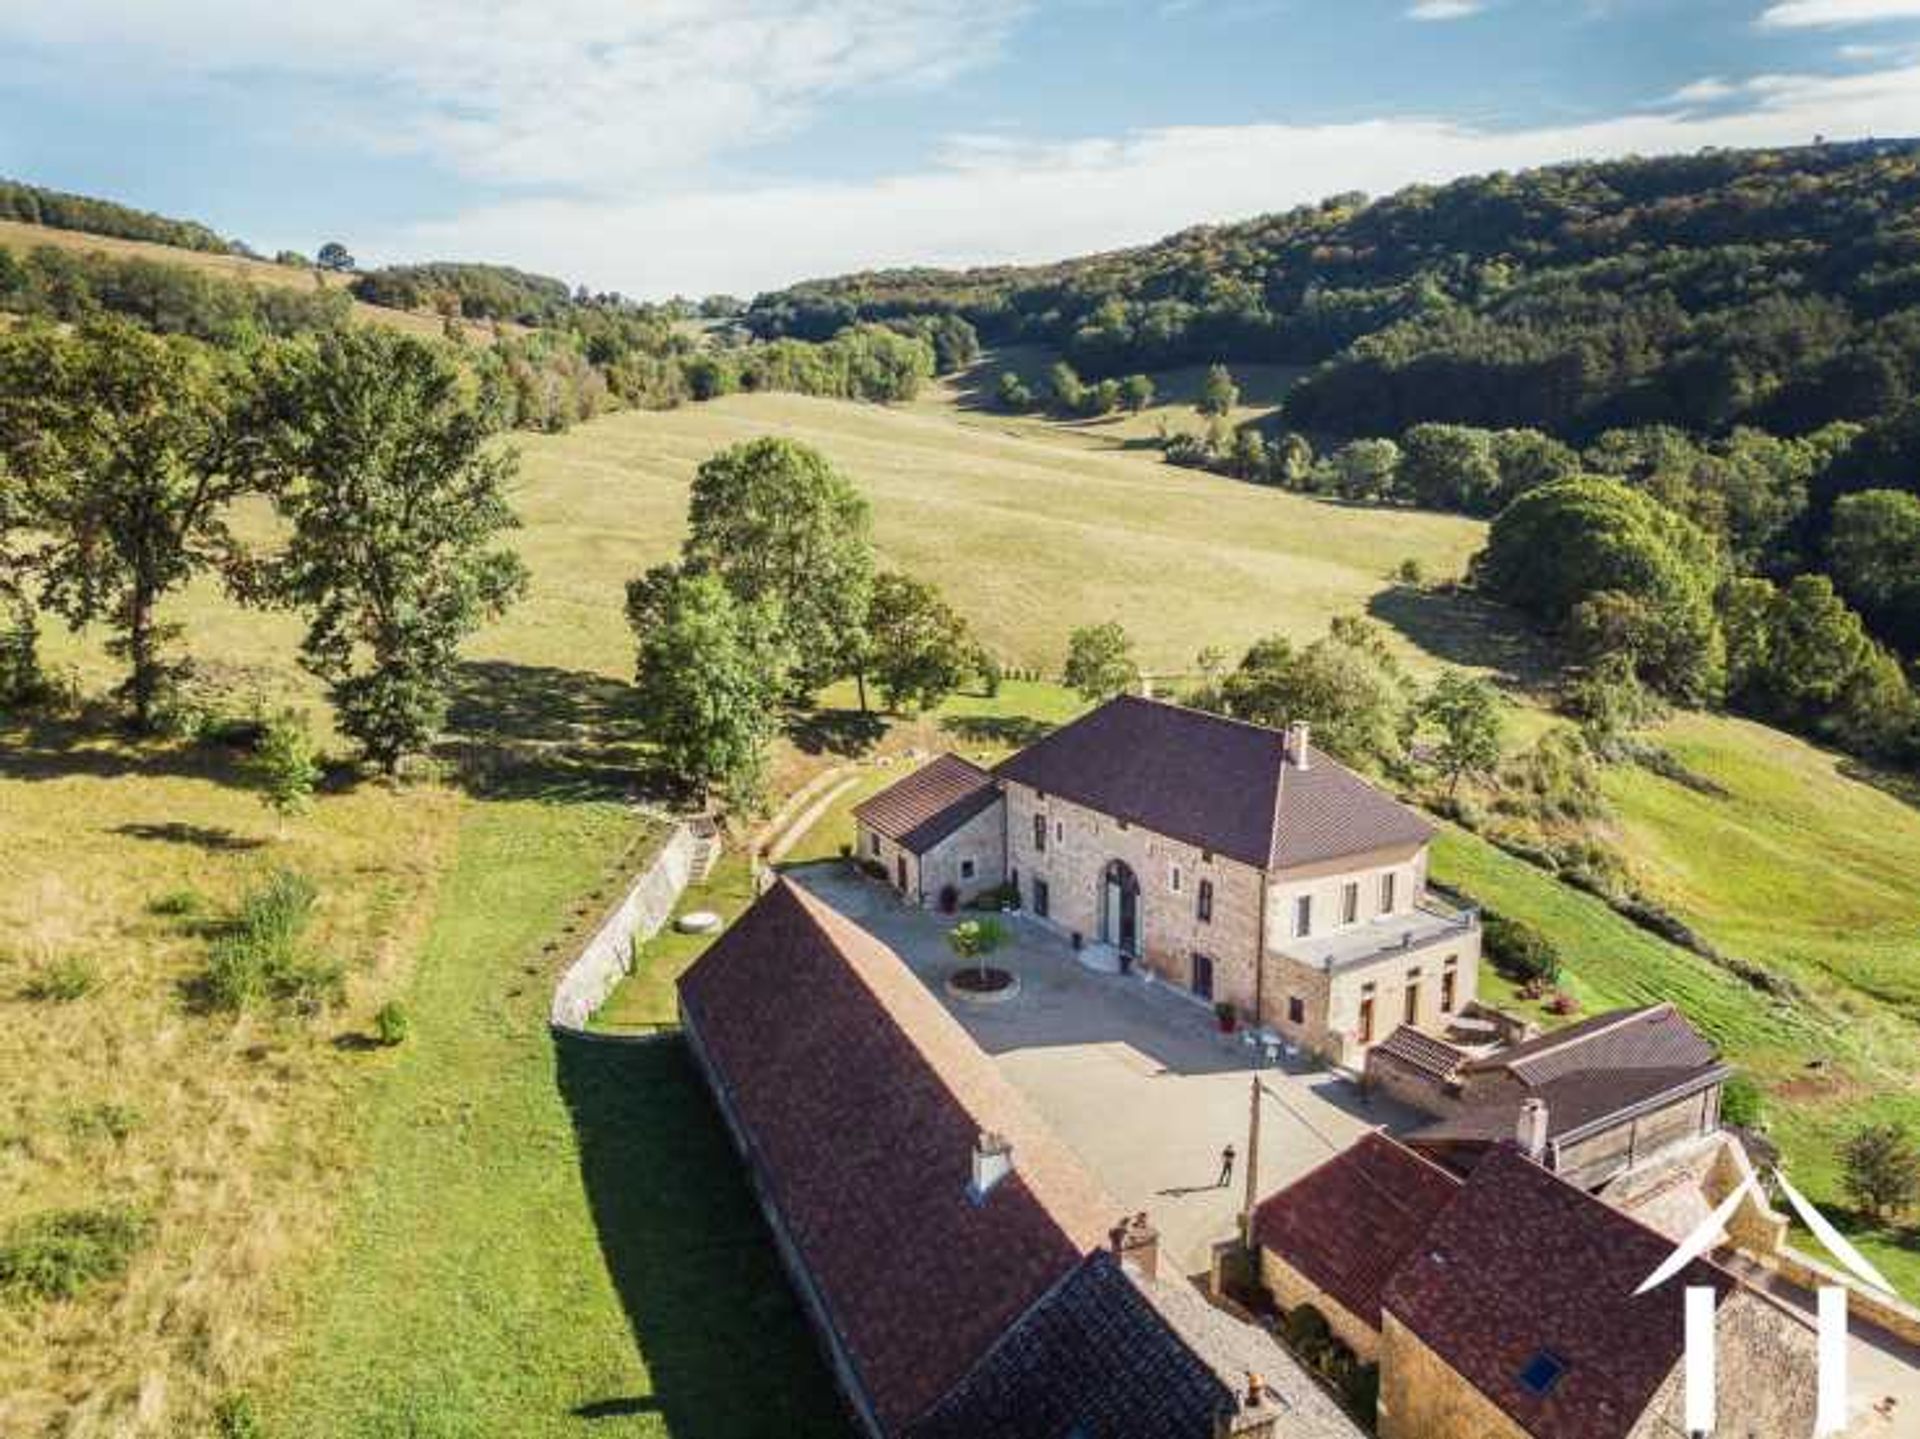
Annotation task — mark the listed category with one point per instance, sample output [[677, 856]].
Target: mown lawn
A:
[[551, 1237]]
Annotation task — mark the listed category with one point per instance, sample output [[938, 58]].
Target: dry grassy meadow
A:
[[282, 1164]]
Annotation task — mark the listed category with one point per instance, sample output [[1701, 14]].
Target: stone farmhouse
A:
[[1609, 1095], [967, 1277], [1503, 1305], [1229, 860]]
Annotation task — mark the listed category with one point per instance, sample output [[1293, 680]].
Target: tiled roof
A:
[[1419, 1052], [861, 1099], [1522, 1262], [1587, 1073], [1347, 1224], [923, 808], [1654, 1037], [1219, 783]]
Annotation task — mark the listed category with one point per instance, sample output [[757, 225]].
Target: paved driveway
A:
[[1134, 1076]]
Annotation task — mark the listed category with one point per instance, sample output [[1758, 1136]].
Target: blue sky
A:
[[661, 146]]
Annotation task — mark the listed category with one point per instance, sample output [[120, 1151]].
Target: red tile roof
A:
[[1522, 1262], [920, 810], [860, 1098], [1218, 783], [1419, 1052], [1347, 1225]]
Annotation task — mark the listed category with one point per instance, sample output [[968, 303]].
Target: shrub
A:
[[1518, 950], [237, 1417], [1881, 1169], [258, 956], [1307, 1329], [1741, 1103], [68, 978], [1362, 1390], [391, 1024], [106, 1120], [1001, 897], [1411, 572], [1563, 1003], [57, 1254], [179, 904]]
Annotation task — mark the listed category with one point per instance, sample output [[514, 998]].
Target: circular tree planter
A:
[[698, 921], [977, 986]]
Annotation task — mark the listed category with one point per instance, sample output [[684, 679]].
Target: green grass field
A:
[[552, 1236], [248, 1151]]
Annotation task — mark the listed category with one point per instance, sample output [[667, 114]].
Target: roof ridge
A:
[[1573, 1041]]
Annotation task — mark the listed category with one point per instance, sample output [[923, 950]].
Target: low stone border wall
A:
[[607, 955], [1898, 1318]]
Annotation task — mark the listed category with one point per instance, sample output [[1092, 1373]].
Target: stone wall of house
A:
[[1325, 886], [1078, 846], [1290, 1289], [1412, 1087], [607, 955], [1766, 1372], [1333, 1003], [1421, 1397], [982, 843], [901, 864]]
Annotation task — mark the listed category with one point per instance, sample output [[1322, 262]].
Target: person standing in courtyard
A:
[[1226, 1168]]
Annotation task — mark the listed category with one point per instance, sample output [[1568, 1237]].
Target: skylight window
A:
[[1542, 1372]]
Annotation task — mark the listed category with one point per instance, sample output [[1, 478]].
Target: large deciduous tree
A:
[[122, 451], [397, 503], [1464, 713], [1100, 661], [1557, 547], [1347, 685], [918, 648], [1218, 393], [776, 521], [711, 671], [1875, 550]]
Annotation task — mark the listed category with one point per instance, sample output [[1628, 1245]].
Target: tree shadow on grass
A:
[[723, 1339], [1458, 627], [850, 733], [213, 838], [1013, 731], [35, 747], [542, 732]]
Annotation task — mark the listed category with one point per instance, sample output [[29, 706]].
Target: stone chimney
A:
[[992, 1162], [1531, 1130], [1254, 1413], [1299, 744], [1137, 1243]]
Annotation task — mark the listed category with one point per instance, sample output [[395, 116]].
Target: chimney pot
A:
[[992, 1162], [1532, 1128], [1299, 743], [1256, 1390], [1137, 1243]]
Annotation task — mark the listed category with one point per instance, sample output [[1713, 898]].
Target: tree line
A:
[[58, 210], [123, 453], [1775, 289]]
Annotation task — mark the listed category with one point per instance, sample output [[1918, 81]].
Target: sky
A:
[[660, 147]]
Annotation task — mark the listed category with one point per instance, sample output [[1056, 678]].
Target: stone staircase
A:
[[707, 847]]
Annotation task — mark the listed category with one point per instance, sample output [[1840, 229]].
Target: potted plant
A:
[[1224, 1012]]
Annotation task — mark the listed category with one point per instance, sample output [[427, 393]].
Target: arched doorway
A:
[[1120, 908]]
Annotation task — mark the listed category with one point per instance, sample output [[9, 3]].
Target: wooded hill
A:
[[1771, 288]]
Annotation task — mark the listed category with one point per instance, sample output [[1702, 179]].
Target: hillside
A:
[[1777, 288], [22, 237]]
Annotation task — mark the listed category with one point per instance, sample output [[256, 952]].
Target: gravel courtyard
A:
[[1135, 1077]]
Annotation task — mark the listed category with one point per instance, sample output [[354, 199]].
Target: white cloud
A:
[[1703, 92], [994, 199], [587, 93], [1445, 9], [1813, 14]]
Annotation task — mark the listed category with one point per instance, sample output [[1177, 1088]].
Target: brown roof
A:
[[1347, 1224], [1419, 1052], [1219, 783], [1523, 1263], [1656, 1036], [861, 1099], [1588, 1073], [920, 810]]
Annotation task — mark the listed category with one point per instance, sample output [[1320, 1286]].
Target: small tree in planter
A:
[[1224, 1012], [975, 939]]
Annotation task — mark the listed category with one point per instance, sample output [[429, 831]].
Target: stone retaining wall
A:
[[607, 955], [1898, 1318]]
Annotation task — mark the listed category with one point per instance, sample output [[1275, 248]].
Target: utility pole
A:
[[1253, 1163]]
